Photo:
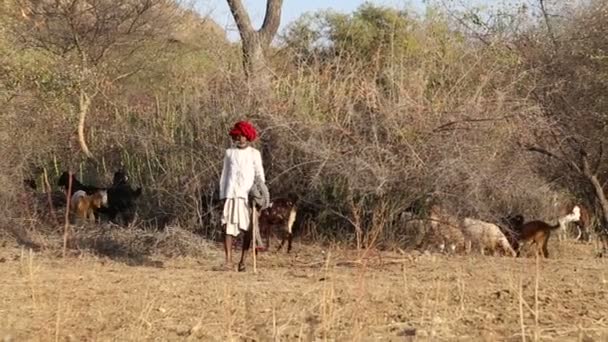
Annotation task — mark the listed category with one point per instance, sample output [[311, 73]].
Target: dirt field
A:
[[312, 295]]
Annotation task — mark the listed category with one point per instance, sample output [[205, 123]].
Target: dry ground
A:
[[313, 295]]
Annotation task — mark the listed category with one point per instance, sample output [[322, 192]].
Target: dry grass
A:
[[313, 295]]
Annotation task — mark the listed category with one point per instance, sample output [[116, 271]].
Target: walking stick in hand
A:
[[254, 221]]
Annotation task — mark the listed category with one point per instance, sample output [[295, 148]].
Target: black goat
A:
[[121, 197], [30, 183], [510, 226]]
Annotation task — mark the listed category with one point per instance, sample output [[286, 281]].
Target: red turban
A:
[[245, 129]]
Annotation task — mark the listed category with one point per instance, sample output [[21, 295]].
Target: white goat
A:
[[445, 230], [574, 216], [485, 235]]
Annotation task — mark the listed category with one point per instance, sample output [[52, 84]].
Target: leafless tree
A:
[[256, 42]]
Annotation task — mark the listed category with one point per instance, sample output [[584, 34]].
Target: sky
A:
[[292, 9]]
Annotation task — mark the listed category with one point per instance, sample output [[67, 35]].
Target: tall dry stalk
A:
[[373, 233], [48, 190], [355, 211], [254, 228], [66, 227], [30, 269], [60, 300], [521, 305], [536, 310], [327, 300]]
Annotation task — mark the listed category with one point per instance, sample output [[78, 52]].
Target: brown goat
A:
[[84, 205], [536, 232], [278, 219], [582, 223]]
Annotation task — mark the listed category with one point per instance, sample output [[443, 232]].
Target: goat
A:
[[445, 232], [75, 186], [573, 216], [84, 205], [485, 235], [120, 178], [573, 213], [509, 226], [432, 228], [536, 232], [282, 214], [121, 202], [583, 224], [120, 196], [121, 199]]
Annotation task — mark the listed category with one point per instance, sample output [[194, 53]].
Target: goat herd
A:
[[438, 229], [450, 234], [90, 203]]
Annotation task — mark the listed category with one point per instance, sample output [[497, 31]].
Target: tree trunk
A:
[[84, 104], [256, 70], [599, 194], [255, 43]]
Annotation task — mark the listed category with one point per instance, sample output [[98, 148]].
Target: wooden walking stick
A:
[[254, 221]]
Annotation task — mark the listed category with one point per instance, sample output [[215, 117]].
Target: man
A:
[[242, 164]]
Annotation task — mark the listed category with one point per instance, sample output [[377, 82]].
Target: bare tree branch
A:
[[243, 23], [568, 163], [446, 126], [543, 9], [598, 160], [272, 20]]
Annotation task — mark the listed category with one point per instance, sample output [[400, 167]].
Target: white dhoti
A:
[[236, 215]]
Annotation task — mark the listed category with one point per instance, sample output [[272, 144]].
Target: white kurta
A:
[[238, 173]]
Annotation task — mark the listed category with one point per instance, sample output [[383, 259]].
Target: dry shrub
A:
[[134, 243], [177, 241], [113, 242]]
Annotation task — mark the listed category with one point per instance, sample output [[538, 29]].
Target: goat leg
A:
[[580, 232], [520, 245], [469, 247], [563, 231], [281, 244], [289, 239]]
